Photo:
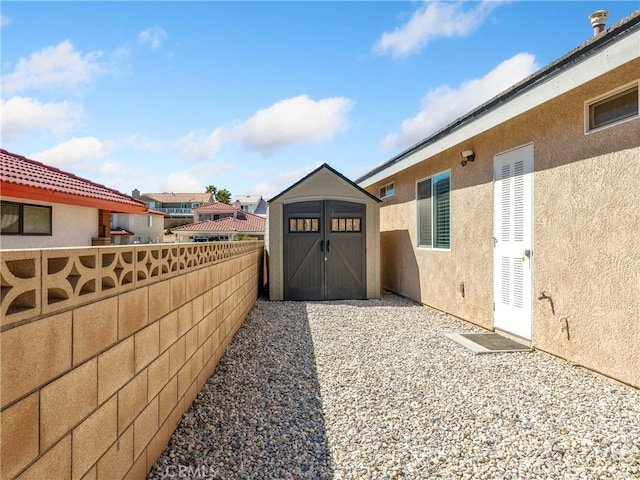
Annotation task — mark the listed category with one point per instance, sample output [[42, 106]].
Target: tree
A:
[[211, 189], [223, 196]]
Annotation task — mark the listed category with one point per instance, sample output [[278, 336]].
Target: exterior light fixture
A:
[[467, 156]]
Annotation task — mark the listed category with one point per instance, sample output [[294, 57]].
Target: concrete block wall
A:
[[108, 348]]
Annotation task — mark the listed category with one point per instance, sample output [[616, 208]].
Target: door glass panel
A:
[[345, 224], [298, 225]]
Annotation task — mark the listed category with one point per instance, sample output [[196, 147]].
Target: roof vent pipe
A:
[[598, 21]]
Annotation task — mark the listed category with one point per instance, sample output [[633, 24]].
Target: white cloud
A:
[[141, 143], [200, 145], [433, 20], [21, 114], [280, 182], [297, 120], [74, 151], [294, 121], [59, 66], [444, 104], [111, 168], [4, 20], [184, 181], [154, 36]]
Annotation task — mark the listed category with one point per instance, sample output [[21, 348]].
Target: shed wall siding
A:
[[323, 185]]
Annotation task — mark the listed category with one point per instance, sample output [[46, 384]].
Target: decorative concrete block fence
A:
[[104, 348]]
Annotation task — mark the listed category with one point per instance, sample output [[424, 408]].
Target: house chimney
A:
[[135, 193], [598, 21]]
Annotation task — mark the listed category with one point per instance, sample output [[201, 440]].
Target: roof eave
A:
[[558, 78], [26, 192]]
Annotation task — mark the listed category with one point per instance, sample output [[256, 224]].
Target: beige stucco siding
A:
[[139, 225], [586, 231], [587, 236], [433, 276], [72, 226]]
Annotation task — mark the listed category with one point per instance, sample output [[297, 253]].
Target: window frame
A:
[[385, 187], [313, 222], [433, 206], [21, 219], [340, 224], [602, 99]]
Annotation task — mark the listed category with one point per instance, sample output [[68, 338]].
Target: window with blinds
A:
[[614, 108], [434, 211], [24, 219], [387, 190]]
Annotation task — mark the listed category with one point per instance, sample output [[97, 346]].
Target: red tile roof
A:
[[24, 178], [215, 207], [156, 212], [121, 231], [248, 223]]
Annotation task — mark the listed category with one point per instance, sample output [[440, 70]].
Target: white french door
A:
[[512, 238]]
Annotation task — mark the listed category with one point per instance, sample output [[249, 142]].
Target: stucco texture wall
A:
[[139, 225], [72, 227], [586, 231]]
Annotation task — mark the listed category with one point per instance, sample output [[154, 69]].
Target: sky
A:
[[166, 96]]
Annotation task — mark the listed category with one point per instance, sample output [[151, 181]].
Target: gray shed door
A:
[[324, 250]]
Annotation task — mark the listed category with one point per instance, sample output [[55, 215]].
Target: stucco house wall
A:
[[586, 224], [139, 225], [72, 226]]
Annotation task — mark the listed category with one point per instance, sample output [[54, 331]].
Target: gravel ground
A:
[[373, 389]]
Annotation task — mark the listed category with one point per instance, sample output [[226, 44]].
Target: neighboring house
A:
[[523, 216], [214, 211], [147, 227], [44, 207], [178, 206], [251, 203], [227, 228]]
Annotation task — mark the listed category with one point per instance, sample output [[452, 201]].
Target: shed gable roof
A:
[[338, 175]]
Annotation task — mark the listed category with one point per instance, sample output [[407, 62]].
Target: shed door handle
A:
[[322, 246], [327, 246]]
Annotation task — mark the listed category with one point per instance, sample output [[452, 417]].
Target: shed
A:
[[323, 240]]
